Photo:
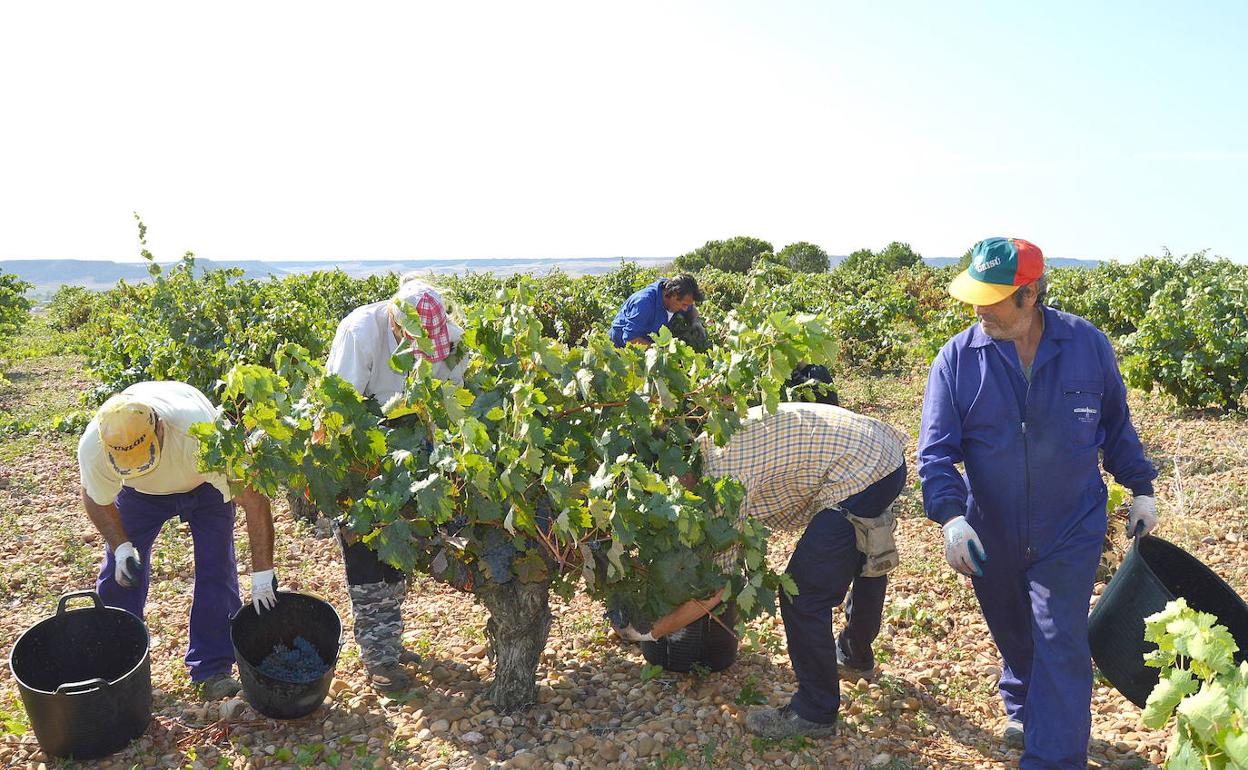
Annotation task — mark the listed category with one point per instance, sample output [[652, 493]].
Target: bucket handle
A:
[[78, 688], [60, 606]]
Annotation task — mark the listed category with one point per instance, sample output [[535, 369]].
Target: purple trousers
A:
[[216, 579]]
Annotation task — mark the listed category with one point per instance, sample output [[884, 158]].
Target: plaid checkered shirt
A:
[[803, 459]]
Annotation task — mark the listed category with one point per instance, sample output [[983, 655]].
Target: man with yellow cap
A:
[[139, 468], [1029, 399]]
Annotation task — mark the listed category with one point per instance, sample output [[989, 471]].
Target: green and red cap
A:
[[998, 267]]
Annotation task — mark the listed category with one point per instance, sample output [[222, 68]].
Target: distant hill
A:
[[101, 274], [1054, 262], [48, 274]]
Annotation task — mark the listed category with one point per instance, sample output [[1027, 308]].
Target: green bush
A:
[[1193, 341], [804, 257], [552, 467], [14, 313], [192, 325], [871, 329], [891, 258], [14, 306], [735, 255], [71, 308], [1178, 322]]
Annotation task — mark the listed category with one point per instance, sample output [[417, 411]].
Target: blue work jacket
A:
[[641, 315], [1031, 450]]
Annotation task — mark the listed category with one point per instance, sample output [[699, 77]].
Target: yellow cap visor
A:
[[128, 432], [966, 289]]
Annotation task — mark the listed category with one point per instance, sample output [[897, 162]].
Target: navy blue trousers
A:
[[825, 567], [216, 579], [1038, 616]]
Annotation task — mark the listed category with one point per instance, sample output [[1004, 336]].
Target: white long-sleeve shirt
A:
[[363, 346]]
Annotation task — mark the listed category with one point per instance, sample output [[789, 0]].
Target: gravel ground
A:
[[934, 704]]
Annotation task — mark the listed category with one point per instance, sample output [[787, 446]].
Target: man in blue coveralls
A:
[[1028, 399], [649, 309]]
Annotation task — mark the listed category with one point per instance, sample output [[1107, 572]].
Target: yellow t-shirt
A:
[[179, 406]]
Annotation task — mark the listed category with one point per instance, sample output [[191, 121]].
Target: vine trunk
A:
[[517, 629]]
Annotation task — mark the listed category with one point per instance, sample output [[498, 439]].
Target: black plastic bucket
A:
[[703, 642], [254, 637], [85, 676], [1154, 573]]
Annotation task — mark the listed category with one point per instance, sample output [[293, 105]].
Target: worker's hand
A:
[[263, 590], [128, 565], [1143, 516], [963, 549], [630, 634]]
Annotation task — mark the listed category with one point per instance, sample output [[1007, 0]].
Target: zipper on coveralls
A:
[[1026, 494], [1026, 466]]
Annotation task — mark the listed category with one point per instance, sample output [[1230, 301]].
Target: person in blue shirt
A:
[[649, 309], [1029, 400]]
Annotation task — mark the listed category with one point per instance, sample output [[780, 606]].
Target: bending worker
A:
[[650, 309], [360, 354], [833, 474], [1028, 399], [139, 469]]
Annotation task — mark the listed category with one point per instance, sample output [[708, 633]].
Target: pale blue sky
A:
[[459, 130]]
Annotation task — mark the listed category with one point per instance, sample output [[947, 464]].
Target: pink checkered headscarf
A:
[[426, 301]]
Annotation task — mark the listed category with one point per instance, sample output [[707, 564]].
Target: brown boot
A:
[[390, 677], [1013, 734], [784, 722], [407, 656], [219, 686]]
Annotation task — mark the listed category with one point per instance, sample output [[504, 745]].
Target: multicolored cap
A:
[[998, 267]]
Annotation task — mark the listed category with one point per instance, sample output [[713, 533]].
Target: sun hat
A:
[[998, 267], [127, 429]]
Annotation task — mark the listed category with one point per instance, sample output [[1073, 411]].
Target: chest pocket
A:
[[1082, 402]]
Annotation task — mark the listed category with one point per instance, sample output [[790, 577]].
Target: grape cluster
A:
[[298, 664]]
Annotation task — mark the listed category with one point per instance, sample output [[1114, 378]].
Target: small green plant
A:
[[423, 644], [650, 672], [749, 694], [1201, 686], [673, 759], [308, 754], [404, 697], [14, 426], [766, 639], [397, 745], [793, 744], [913, 612], [71, 422], [13, 719]]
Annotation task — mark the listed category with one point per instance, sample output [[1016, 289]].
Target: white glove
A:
[[630, 634], [963, 549], [1143, 516], [128, 566], [263, 590]]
